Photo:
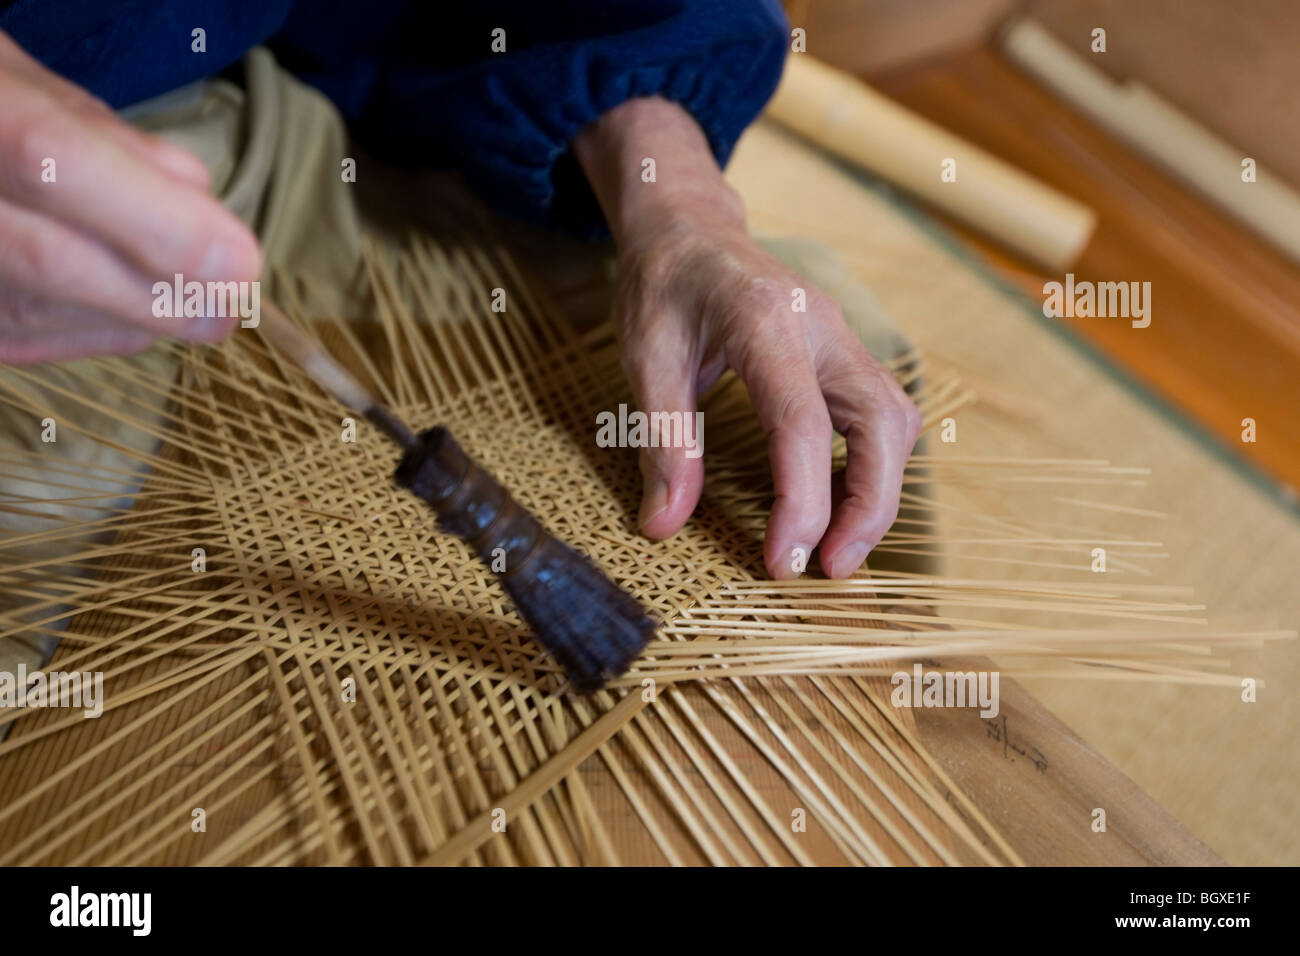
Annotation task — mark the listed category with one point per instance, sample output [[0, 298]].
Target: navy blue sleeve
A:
[[420, 83], [431, 91], [125, 51]]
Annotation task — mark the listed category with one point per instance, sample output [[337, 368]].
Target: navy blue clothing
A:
[[418, 80]]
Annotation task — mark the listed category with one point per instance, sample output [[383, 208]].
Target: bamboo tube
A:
[[1163, 133], [846, 117]]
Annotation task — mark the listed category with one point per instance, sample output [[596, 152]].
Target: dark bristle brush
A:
[[592, 627]]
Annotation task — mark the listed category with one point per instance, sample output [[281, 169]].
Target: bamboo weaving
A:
[[342, 684]]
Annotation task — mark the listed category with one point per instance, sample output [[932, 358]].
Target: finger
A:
[[37, 331], [880, 425], [166, 157], [45, 259], [161, 225], [789, 404], [170, 159], [662, 370]]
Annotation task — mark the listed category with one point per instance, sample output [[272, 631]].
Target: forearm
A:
[[612, 151]]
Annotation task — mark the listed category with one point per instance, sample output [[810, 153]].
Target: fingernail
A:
[[218, 260], [224, 259], [799, 555], [654, 502], [850, 559]]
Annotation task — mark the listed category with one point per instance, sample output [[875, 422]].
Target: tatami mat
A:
[[1225, 768]]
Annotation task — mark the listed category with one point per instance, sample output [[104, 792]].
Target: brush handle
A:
[[310, 356], [321, 367], [471, 504]]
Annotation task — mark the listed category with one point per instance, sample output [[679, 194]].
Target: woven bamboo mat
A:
[[342, 685], [228, 689], [1224, 768]]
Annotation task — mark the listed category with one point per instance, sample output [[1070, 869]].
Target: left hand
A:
[[697, 296]]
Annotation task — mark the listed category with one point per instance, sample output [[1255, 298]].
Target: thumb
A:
[[672, 436]]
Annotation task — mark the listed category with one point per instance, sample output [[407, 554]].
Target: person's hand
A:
[[697, 296], [92, 214]]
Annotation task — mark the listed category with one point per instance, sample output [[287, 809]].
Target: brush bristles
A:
[[593, 628]]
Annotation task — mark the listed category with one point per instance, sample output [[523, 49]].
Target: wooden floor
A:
[[1224, 340]]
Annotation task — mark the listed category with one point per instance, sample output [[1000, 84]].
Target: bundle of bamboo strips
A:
[[340, 684]]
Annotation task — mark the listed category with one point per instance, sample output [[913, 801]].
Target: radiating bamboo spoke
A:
[[339, 683]]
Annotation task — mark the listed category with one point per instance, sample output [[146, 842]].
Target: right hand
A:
[[79, 255]]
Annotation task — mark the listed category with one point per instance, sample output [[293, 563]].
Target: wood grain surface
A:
[[1224, 340]]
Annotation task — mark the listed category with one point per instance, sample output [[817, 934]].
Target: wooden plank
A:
[[1224, 341], [1039, 784]]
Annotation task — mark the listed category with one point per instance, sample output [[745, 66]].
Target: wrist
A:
[[648, 161]]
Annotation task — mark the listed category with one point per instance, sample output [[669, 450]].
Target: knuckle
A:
[[913, 418], [37, 137], [37, 256], [900, 405], [774, 339], [847, 366], [905, 413], [27, 141], [766, 297], [755, 358], [801, 408]]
